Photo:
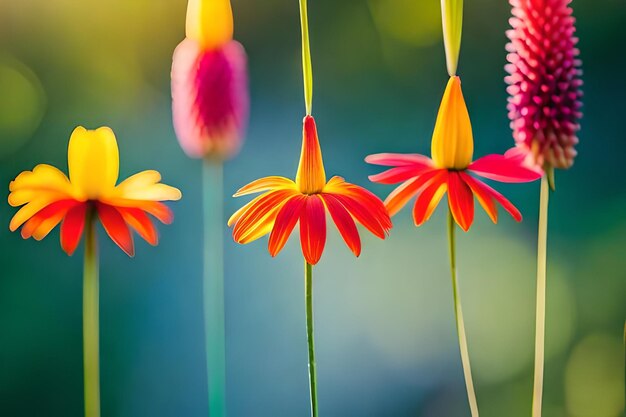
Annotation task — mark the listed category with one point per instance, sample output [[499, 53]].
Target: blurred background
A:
[[386, 341]]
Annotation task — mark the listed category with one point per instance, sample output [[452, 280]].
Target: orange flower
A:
[[285, 203], [49, 197]]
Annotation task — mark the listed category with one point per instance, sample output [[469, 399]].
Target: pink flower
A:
[[544, 81]]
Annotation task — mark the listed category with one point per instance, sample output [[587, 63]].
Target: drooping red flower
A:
[[544, 81]]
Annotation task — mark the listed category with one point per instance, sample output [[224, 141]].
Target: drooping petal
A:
[[46, 219], [485, 189], [260, 215], [430, 197], [461, 201], [265, 184], [398, 174], [141, 223], [93, 160], [504, 169], [210, 99], [72, 228], [344, 222], [145, 185], [210, 22], [399, 197], [313, 229], [453, 143], [311, 177], [116, 228], [286, 220], [483, 197], [399, 160]]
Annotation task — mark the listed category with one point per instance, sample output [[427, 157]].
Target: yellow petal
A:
[[209, 22], [43, 179], [311, 177], [146, 186], [453, 144], [32, 208], [93, 160]]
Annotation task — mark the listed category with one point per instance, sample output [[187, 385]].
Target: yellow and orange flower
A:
[[284, 203], [49, 197], [449, 169]]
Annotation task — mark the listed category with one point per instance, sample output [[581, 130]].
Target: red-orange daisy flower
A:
[[49, 197], [284, 203], [449, 169]]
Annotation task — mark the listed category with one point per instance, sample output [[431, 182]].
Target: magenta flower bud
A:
[[544, 81]]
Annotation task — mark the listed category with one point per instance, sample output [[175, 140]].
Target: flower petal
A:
[[116, 228], [504, 169], [344, 222], [399, 160], [506, 204], [460, 200], [265, 184], [286, 220], [399, 197], [313, 229], [398, 174], [311, 177], [484, 198], [141, 223], [430, 197], [260, 215], [33, 207], [42, 179], [146, 186], [72, 228], [210, 22], [45, 220]]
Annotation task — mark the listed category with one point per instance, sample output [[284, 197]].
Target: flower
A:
[[544, 81], [285, 202], [210, 83], [49, 197], [448, 170]]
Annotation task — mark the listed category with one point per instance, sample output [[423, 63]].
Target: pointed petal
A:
[[461, 201], [344, 222], [400, 160], [33, 207], [45, 220], [286, 220], [310, 177], [141, 223], [398, 174], [504, 169], [72, 228], [484, 198], [487, 190], [146, 186], [116, 228], [430, 197], [260, 215], [265, 184], [313, 229], [157, 209], [399, 197]]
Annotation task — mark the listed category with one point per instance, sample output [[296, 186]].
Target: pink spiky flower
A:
[[210, 99], [544, 81]]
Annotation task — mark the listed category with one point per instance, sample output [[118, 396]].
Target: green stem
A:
[[460, 324], [213, 286], [91, 322], [308, 295], [540, 326], [307, 70]]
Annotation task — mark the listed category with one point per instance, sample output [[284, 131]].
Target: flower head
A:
[[210, 83], [544, 81], [449, 169], [49, 197], [284, 203]]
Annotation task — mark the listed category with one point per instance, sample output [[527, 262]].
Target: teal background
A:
[[386, 342]]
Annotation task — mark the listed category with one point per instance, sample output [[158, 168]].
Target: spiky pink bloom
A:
[[544, 81]]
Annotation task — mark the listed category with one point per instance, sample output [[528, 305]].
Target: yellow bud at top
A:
[[453, 143], [452, 22], [311, 177], [210, 22]]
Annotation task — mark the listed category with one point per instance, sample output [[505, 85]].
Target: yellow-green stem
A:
[[460, 324], [308, 295], [91, 361], [213, 286], [307, 70], [540, 326]]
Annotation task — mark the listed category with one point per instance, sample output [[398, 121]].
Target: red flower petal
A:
[[46, 219], [313, 229], [140, 222], [428, 200], [504, 169], [72, 228], [400, 159], [116, 228], [398, 174], [461, 201], [260, 215], [286, 220], [405, 192], [344, 222], [483, 197], [508, 206]]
